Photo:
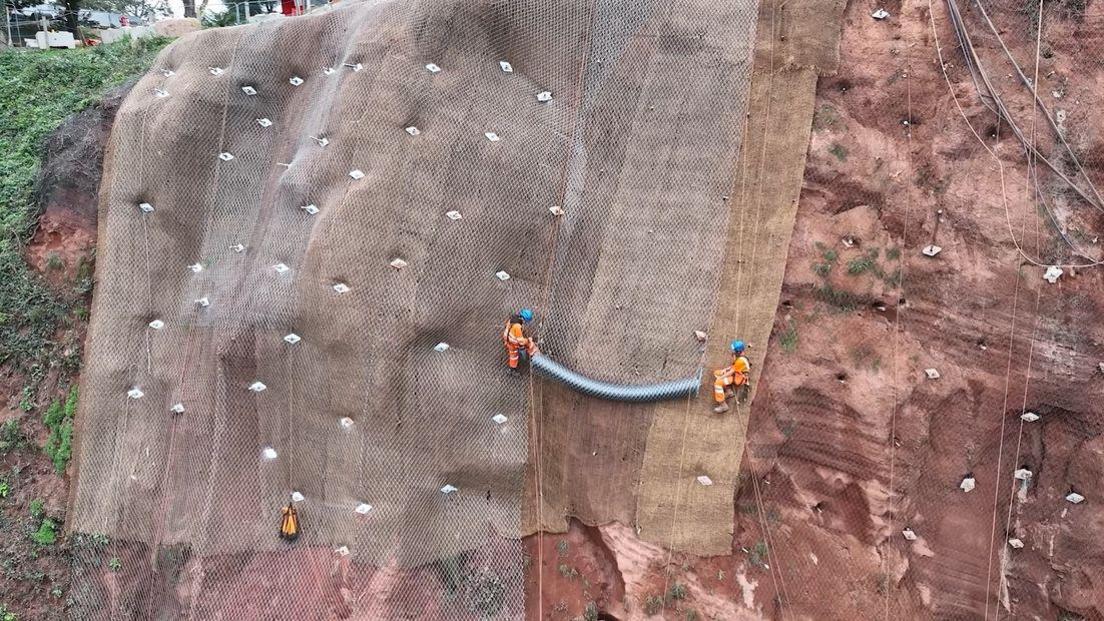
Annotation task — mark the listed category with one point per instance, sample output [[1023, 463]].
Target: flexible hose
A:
[[640, 393]]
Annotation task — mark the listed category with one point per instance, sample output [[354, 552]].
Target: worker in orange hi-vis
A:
[[735, 374], [516, 337], [289, 523]]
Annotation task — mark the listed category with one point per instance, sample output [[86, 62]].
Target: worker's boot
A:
[[721, 408]]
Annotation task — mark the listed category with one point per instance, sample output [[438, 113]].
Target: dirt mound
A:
[[68, 187]]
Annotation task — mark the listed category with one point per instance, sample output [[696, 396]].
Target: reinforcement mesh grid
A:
[[646, 206], [299, 276]]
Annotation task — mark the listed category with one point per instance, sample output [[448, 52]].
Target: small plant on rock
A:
[[678, 592]]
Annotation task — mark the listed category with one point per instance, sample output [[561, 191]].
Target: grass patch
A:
[[677, 592], [825, 117], [864, 263], [839, 151], [59, 422], [38, 90], [844, 301], [758, 554], [788, 338], [11, 437], [829, 257], [652, 605], [46, 534]]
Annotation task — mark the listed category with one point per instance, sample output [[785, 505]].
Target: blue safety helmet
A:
[[737, 346], [526, 314]]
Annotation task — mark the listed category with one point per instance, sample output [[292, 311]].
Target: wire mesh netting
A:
[[312, 231]]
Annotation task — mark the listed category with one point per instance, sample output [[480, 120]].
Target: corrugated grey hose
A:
[[641, 393]]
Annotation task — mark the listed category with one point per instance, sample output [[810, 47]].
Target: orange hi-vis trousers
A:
[[734, 375], [514, 338]]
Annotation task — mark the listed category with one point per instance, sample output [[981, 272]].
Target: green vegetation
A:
[[788, 339], [38, 509], [59, 422], [839, 151], [1073, 10], [758, 554], [219, 20], [11, 436], [860, 264], [591, 612], [652, 605], [7, 615], [825, 117], [568, 572], [46, 534], [487, 594], [692, 615], [562, 547], [115, 564], [483, 590], [5, 488], [38, 90], [677, 592], [844, 301], [829, 255]]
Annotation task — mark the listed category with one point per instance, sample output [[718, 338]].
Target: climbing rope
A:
[[1038, 297], [774, 567], [898, 320], [1038, 290], [772, 561], [536, 404], [1032, 154]]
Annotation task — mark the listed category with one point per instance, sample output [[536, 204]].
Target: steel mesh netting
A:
[[657, 135], [852, 443], [306, 364]]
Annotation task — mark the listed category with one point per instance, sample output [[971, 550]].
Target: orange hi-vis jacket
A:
[[736, 374], [514, 338]]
